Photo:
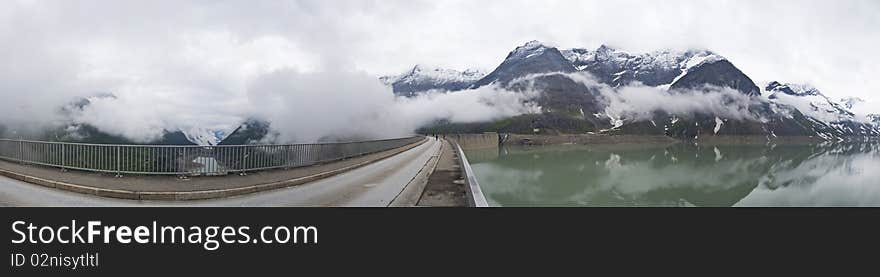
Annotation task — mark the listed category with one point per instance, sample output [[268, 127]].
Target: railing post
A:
[[21, 151], [63, 157], [185, 162], [118, 159]]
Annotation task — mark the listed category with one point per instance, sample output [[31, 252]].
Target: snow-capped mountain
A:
[[823, 110], [809, 101], [616, 67], [608, 65], [860, 108], [862, 112], [667, 69], [531, 58], [789, 110], [208, 136], [676, 69], [250, 131], [424, 78], [560, 94]]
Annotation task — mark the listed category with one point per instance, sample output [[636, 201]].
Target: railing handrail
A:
[[187, 159], [474, 192], [198, 146]]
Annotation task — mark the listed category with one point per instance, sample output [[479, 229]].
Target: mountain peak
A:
[[851, 102], [792, 89], [435, 73], [530, 49], [533, 44], [702, 58], [808, 100], [531, 58], [418, 67], [714, 70], [474, 72], [423, 78], [617, 67], [605, 48]]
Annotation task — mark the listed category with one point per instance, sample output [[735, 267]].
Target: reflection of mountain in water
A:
[[681, 175]]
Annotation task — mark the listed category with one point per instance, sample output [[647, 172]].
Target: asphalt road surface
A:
[[376, 184]]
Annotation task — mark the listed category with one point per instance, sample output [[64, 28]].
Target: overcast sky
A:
[[202, 60]]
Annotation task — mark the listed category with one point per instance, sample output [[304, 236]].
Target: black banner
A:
[[404, 240]]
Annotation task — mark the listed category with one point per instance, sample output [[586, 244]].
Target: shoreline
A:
[[525, 139]]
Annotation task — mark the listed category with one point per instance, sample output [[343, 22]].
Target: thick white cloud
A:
[[638, 102], [179, 64], [314, 105]]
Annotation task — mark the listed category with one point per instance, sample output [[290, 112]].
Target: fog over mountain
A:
[[311, 68], [204, 69], [363, 107]]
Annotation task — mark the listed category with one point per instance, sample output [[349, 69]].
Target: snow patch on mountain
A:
[[701, 59]]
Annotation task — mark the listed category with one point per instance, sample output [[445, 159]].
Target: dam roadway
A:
[[385, 182]]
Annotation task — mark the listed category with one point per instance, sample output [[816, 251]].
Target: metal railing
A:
[[187, 160], [475, 195]]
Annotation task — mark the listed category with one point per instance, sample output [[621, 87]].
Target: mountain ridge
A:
[[672, 71], [423, 78]]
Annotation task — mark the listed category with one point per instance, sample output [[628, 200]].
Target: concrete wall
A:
[[519, 139], [474, 141], [483, 154]]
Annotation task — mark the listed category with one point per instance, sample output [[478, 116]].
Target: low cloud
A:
[[637, 102], [309, 107], [212, 67], [301, 107]]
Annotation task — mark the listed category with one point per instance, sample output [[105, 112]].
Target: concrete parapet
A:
[[474, 141]]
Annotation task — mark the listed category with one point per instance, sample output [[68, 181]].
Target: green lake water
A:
[[838, 174]]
